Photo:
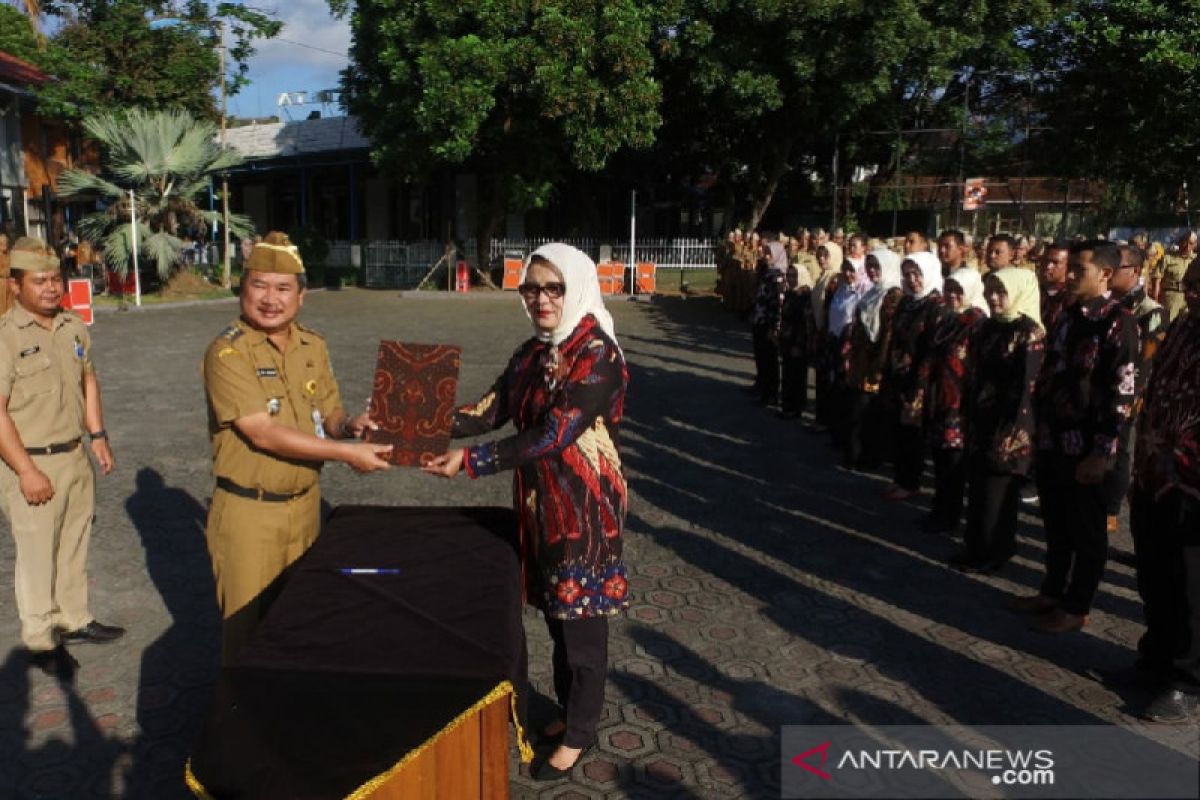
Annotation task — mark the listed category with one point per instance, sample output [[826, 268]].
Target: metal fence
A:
[[402, 265]]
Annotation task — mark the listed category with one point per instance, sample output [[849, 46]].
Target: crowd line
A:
[[1059, 374]]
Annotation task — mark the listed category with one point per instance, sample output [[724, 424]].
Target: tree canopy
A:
[[517, 92], [758, 92], [106, 56]]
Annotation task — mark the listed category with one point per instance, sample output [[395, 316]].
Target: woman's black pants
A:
[[580, 667], [991, 533]]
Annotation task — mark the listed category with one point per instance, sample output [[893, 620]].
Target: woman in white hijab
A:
[[865, 437], [564, 391], [949, 361], [919, 315], [824, 347]]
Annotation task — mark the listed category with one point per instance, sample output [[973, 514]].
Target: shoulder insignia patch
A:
[[232, 332], [226, 351]]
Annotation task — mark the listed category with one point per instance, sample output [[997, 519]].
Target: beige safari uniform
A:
[[41, 374], [251, 541], [1171, 295], [6, 295]]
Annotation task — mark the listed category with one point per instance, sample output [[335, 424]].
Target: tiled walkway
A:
[[769, 587]]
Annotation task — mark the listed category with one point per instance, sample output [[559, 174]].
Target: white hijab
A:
[[890, 277], [582, 296], [972, 286], [931, 274]]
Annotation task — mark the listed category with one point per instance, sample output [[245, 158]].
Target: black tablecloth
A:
[[350, 673]]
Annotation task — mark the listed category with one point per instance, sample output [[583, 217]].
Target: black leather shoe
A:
[[1173, 705], [545, 771], [56, 663], [92, 633]]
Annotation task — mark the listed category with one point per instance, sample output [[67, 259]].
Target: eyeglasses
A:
[[554, 291]]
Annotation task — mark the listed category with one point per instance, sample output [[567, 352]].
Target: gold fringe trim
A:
[[502, 689], [192, 783]]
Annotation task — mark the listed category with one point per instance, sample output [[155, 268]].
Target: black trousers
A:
[[580, 662], [992, 504], [1116, 485], [826, 383], [1076, 533], [795, 384], [950, 475], [1161, 530], [910, 456], [766, 363]]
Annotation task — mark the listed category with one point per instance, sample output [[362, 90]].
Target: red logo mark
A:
[[823, 751]]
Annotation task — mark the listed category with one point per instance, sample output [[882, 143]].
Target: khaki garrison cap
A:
[[277, 254]]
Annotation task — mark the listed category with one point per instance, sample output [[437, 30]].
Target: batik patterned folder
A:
[[413, 400]]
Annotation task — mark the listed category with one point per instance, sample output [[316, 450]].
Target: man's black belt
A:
[[53, 449], [257, 494]]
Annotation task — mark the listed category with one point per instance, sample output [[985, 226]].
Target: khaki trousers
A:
[[52, 546], [252, 543]]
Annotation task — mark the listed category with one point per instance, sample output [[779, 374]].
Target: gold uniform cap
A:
[[276, 253]]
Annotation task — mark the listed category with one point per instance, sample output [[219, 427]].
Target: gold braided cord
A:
[[504, 688], [193, 783]]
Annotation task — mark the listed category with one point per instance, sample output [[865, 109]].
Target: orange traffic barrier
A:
[[611, 276], [78, 299], [644, 280], [512, 273]]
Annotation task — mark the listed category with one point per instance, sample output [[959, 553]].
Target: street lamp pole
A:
[[225, 271]]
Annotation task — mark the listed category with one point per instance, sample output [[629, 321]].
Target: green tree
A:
[[107, 56], [1118, 92], [516, 92], [758, 88], [167, 158]]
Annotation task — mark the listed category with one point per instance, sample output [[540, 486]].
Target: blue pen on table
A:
[[369, 571]]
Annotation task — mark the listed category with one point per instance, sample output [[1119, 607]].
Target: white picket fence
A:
[[402, 265]]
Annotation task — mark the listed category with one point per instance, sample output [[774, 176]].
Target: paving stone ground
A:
[[769, 588]]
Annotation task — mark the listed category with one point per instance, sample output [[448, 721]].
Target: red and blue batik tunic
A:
[[566, 403]]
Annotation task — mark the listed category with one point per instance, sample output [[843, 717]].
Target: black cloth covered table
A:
[[350, 673]]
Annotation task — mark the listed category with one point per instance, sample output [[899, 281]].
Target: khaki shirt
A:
[[6, 295], [41, 374], [1172, 268], [245, 374]]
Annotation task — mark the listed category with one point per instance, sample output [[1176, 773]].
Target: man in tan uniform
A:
[[49, 398], [274, 416], [6, 295], [1166, 284]]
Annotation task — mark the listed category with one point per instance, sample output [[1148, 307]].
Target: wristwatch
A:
[[100, 434]]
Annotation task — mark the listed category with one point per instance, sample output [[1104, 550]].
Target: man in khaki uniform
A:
[[6, 295], [1166, 285], [274, 416], [49, 398]]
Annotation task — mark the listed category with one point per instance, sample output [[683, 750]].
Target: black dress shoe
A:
[[1173, 705], [545, 771], [56, 663], [92, 633]]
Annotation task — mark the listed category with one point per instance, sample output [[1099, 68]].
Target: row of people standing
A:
[[1015, 377]]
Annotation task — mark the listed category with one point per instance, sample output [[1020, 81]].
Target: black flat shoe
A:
[[545, 771], [1172, 706], [92, 633]]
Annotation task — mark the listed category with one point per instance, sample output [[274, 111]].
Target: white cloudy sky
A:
[[282, 66]]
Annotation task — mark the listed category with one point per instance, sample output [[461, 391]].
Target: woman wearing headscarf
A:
[[865, 353], [764, 324], [947, 365], [564, 391], [839, 316], [829, 260], [1007, 353], [920, 313]]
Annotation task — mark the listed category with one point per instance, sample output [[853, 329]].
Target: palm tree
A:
[[167, 159]]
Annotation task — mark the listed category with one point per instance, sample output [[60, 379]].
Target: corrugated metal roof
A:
[[279, 139], [22, 73]]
